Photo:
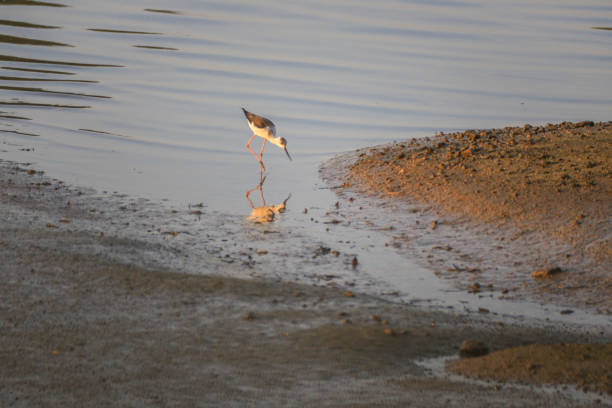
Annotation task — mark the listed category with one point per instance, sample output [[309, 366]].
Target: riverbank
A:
[[89, 317], [538, 197]]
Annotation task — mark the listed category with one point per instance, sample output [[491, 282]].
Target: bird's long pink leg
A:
[[261, 154], [248, 146]]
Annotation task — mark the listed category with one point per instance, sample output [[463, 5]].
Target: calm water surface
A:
[[133, 97]]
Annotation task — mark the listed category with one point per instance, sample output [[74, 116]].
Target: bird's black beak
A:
[[288, 155]]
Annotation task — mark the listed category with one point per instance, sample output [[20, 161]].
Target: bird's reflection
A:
[[264, 213]]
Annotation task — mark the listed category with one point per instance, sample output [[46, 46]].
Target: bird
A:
[[265, 129]]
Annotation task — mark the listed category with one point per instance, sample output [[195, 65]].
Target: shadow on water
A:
[[162, 11], [264, 213], [11, 39], [152, 47], [6, 78], [41, 71], [12, 58], [30, 3], [20, 98], [45, 91], [108, 30], [25, 25]]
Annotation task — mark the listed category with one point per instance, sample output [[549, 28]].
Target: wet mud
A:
[[93, 314]]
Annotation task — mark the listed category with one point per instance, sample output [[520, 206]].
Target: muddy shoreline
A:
[[90, 317], [535, 198]]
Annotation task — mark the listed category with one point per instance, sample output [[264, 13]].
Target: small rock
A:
[[471, 348], [389, 331], [262, 252], [434, 224], [545, 272], [64, 220], [249, 316], [376, 318], [354, 262], [567, 311], [348, 293], [321, 250]]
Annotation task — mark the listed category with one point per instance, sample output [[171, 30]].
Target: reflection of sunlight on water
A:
[[264, 213]]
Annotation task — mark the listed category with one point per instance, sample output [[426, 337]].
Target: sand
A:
[[542, 195]]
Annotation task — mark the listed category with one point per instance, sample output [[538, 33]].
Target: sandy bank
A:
[[540, 195]]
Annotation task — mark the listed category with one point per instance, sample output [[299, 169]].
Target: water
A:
[[143, 100]]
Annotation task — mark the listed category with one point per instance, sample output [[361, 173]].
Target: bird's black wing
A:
[[257, 120]]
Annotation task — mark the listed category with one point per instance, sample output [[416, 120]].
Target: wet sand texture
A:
[[82, 329], [587, 366], [550, 184]]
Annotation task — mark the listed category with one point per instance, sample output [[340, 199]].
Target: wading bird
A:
[[265, 129]]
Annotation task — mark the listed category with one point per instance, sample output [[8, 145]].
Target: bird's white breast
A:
[[266, 133]]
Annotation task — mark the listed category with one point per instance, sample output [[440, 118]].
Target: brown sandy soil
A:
[[579, 364], [545, 191], [81, 329]]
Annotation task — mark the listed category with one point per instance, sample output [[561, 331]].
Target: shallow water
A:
[[146, 101]]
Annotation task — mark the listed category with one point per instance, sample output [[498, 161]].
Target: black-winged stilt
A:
[[265, 129]]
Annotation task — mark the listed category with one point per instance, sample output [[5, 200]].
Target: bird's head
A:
[[282, 142]]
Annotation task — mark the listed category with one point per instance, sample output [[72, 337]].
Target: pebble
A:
[[545, 272], [471, 348]]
